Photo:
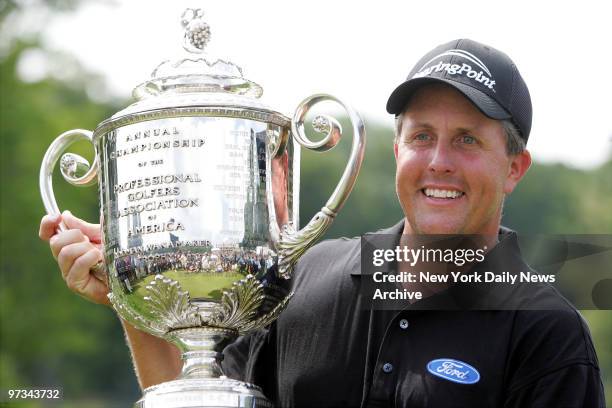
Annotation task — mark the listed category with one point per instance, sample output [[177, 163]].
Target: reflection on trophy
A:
[[199, 187]]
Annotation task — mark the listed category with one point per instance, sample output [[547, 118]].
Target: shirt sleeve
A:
[[251, 359], [236, 357], [553, 362], [575, 385]]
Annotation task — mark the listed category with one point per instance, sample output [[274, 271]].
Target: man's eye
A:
[[467, 139], [421, 137]]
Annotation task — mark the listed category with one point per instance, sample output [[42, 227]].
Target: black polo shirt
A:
[[328, 349]]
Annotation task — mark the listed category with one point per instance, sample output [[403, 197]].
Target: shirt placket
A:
[[389, 362]]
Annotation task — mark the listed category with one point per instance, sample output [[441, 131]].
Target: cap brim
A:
[[487, 105]]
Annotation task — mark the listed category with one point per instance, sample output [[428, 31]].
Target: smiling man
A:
[[453, 165], [463, 117], [460, 139]]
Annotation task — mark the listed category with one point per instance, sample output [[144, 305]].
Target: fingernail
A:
[[67, 212]]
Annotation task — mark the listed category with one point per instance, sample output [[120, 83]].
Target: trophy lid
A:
[[195, 71], [195, 78]]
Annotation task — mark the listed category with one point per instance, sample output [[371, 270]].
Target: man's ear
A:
[[395, 150], [519, 164]]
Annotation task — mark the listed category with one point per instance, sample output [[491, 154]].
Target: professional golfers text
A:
[[408, 283]]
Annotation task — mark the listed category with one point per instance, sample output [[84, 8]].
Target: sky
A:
[[360, 51]]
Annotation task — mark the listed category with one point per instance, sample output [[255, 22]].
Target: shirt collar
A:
[[386, 238], [505, 255]]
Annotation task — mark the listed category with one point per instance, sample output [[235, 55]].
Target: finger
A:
[[70, 253], [60, 240], [98, 292], [85, 284], [48, 226], [92, 231]]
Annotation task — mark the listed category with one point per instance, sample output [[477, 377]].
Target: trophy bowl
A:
[[199, 203]]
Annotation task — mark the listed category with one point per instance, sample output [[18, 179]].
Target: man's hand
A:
[[76, 250]]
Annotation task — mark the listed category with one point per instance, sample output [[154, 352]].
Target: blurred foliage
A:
[[51, 337], [9, 6]]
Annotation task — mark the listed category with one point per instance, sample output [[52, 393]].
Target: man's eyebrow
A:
[[465, 130], [421, 125], [429, 126]]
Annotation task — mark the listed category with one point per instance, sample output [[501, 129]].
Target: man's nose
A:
[[441, 159]]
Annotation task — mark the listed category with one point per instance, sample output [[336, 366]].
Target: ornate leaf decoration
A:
[[266, 319], [172, 309], [293, 244], [170, 305], [127, 314], [238, 305]]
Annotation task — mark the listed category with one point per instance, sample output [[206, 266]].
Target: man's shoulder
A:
[[547, 345], [331, 252], [548, 332], [552, 337], [343, 252], [545, 318], [345, 246], [559, 318]]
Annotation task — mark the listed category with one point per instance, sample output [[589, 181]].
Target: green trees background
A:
[[50, 337]]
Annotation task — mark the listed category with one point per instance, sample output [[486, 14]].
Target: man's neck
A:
[[410, 239], [488, 238]]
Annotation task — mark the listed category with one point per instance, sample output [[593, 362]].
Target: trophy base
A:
[[203, 393]]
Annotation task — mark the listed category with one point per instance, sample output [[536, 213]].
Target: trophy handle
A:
[[75, 170], [292, 243]]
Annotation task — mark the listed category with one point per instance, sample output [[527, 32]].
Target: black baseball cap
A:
[[486, 76]]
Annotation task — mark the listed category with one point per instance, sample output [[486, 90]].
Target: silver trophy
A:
[[199, 189]]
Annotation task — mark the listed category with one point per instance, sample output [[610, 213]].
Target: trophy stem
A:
[[201, 349], [201, 382], [199, 364]]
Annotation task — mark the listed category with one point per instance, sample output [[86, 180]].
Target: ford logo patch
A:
[[453, 370]]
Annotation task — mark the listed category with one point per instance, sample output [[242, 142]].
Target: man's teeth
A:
[[433, 192]]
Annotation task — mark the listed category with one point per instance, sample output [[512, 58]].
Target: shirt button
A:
[[387, 367], [403, 324]]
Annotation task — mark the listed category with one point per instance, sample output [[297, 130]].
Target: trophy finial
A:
[[194, 71], [197, 31]]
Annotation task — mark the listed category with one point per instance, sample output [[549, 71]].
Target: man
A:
[[463, 117]]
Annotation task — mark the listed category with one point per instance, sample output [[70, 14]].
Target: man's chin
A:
[[440, 231], [438, 227]]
